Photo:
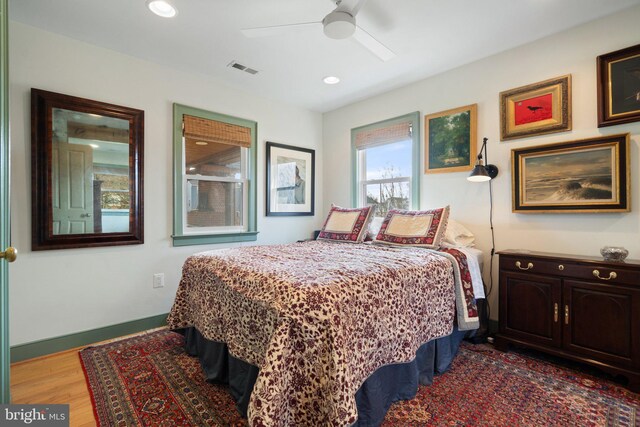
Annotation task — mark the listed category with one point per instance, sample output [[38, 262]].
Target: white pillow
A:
[[458, 235], [374, 226]]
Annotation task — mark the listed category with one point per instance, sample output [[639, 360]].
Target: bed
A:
[[312, 333]]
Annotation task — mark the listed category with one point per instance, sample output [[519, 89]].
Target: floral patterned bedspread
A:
[[317, 318]]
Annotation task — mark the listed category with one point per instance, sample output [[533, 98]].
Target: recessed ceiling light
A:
[[162, 8], [201, 143], [331, 80]]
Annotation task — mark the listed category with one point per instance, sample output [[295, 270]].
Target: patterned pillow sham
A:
[[346, 224], [414, 228]]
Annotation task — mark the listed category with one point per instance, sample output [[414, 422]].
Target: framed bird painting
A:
[[536, 109]]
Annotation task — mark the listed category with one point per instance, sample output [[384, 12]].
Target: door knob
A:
[[10, 254]]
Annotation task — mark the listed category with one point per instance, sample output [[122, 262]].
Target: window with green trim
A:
[[214, 177], [386, 164]]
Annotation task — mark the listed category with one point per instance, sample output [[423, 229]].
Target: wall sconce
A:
[[483, 173], [480, 172]]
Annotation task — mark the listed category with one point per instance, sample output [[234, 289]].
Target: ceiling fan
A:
[[338, 24]]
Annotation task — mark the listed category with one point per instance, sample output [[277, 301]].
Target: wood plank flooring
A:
[[56, 378]]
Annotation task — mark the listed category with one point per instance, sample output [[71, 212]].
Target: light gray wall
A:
[[572, 52], [59, 292]]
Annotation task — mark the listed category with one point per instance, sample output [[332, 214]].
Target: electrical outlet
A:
[[158, 280]]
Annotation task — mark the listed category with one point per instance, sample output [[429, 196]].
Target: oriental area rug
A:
[[149, 380]]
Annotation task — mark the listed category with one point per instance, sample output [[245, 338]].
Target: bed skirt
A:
[[386, 385]]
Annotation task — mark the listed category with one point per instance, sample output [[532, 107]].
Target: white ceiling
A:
[[428, 37]]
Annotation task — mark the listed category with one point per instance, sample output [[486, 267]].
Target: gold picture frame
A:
[[536, 109], [619, 87], [587, 175], [450, 140]]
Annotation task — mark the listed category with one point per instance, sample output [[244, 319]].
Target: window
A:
[[386, 164], [214, 178]]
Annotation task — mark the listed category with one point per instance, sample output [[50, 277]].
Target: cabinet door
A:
[[529, 308], [603, 322]]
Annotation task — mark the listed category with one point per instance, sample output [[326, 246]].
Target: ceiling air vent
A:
[[234, 64]]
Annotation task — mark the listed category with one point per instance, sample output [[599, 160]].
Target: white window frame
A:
[[364, 182], [212, 178]]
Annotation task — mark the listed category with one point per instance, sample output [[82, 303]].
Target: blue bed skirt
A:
[[386, 385]]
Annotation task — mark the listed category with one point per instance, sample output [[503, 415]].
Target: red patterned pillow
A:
[[414, 228], [346, 225]]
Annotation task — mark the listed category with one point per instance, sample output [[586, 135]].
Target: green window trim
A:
[[414, 118], [179, 237]]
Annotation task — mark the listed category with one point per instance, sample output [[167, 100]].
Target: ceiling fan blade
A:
[[374, 46], [278, 29], [351, 6]]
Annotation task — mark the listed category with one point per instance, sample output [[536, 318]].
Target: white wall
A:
[[54, 293], [572, 52]]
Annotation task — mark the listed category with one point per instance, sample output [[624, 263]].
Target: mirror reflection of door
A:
[[72, 197], [90, 173]]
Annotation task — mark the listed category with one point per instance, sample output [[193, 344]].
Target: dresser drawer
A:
[[606, 273], [531, 265], [602, 274]]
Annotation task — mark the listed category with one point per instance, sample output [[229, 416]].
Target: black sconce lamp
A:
[[480, 172], [483, 173]]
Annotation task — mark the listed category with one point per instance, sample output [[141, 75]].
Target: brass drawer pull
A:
[[555, 313], [561, 267], [612, 275], [519, 265], [566, 314]]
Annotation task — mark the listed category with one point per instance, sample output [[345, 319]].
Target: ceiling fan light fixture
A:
[[162, 8], [339, 25]]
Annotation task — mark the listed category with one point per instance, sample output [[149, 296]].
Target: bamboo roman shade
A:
[[213, 131], [383, 135]]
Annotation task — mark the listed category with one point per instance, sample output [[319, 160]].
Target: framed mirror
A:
[[87, 172]]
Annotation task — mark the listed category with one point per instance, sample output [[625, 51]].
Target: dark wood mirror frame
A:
[[43, 237]]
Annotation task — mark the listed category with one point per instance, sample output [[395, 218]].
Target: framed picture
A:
[[619, 87], [450, 140], [536, 109], [290, 180], [589, 175]]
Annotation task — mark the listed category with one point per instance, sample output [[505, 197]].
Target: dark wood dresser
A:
[[581, 308]]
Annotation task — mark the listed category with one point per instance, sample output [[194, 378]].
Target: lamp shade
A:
[[479, 174]]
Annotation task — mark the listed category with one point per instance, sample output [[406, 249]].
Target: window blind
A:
[[213, 131], [383, 135]]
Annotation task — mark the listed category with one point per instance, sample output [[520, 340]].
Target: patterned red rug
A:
[[148, 380]]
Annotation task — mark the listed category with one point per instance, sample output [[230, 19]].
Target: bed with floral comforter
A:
[[319, 317]]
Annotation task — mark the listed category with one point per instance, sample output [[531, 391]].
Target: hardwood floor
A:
[[55, 378]]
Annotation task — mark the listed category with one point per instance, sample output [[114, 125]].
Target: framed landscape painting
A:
[[290, 180], [619, 87], [450, 140], [589, 175], [536, 109]]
